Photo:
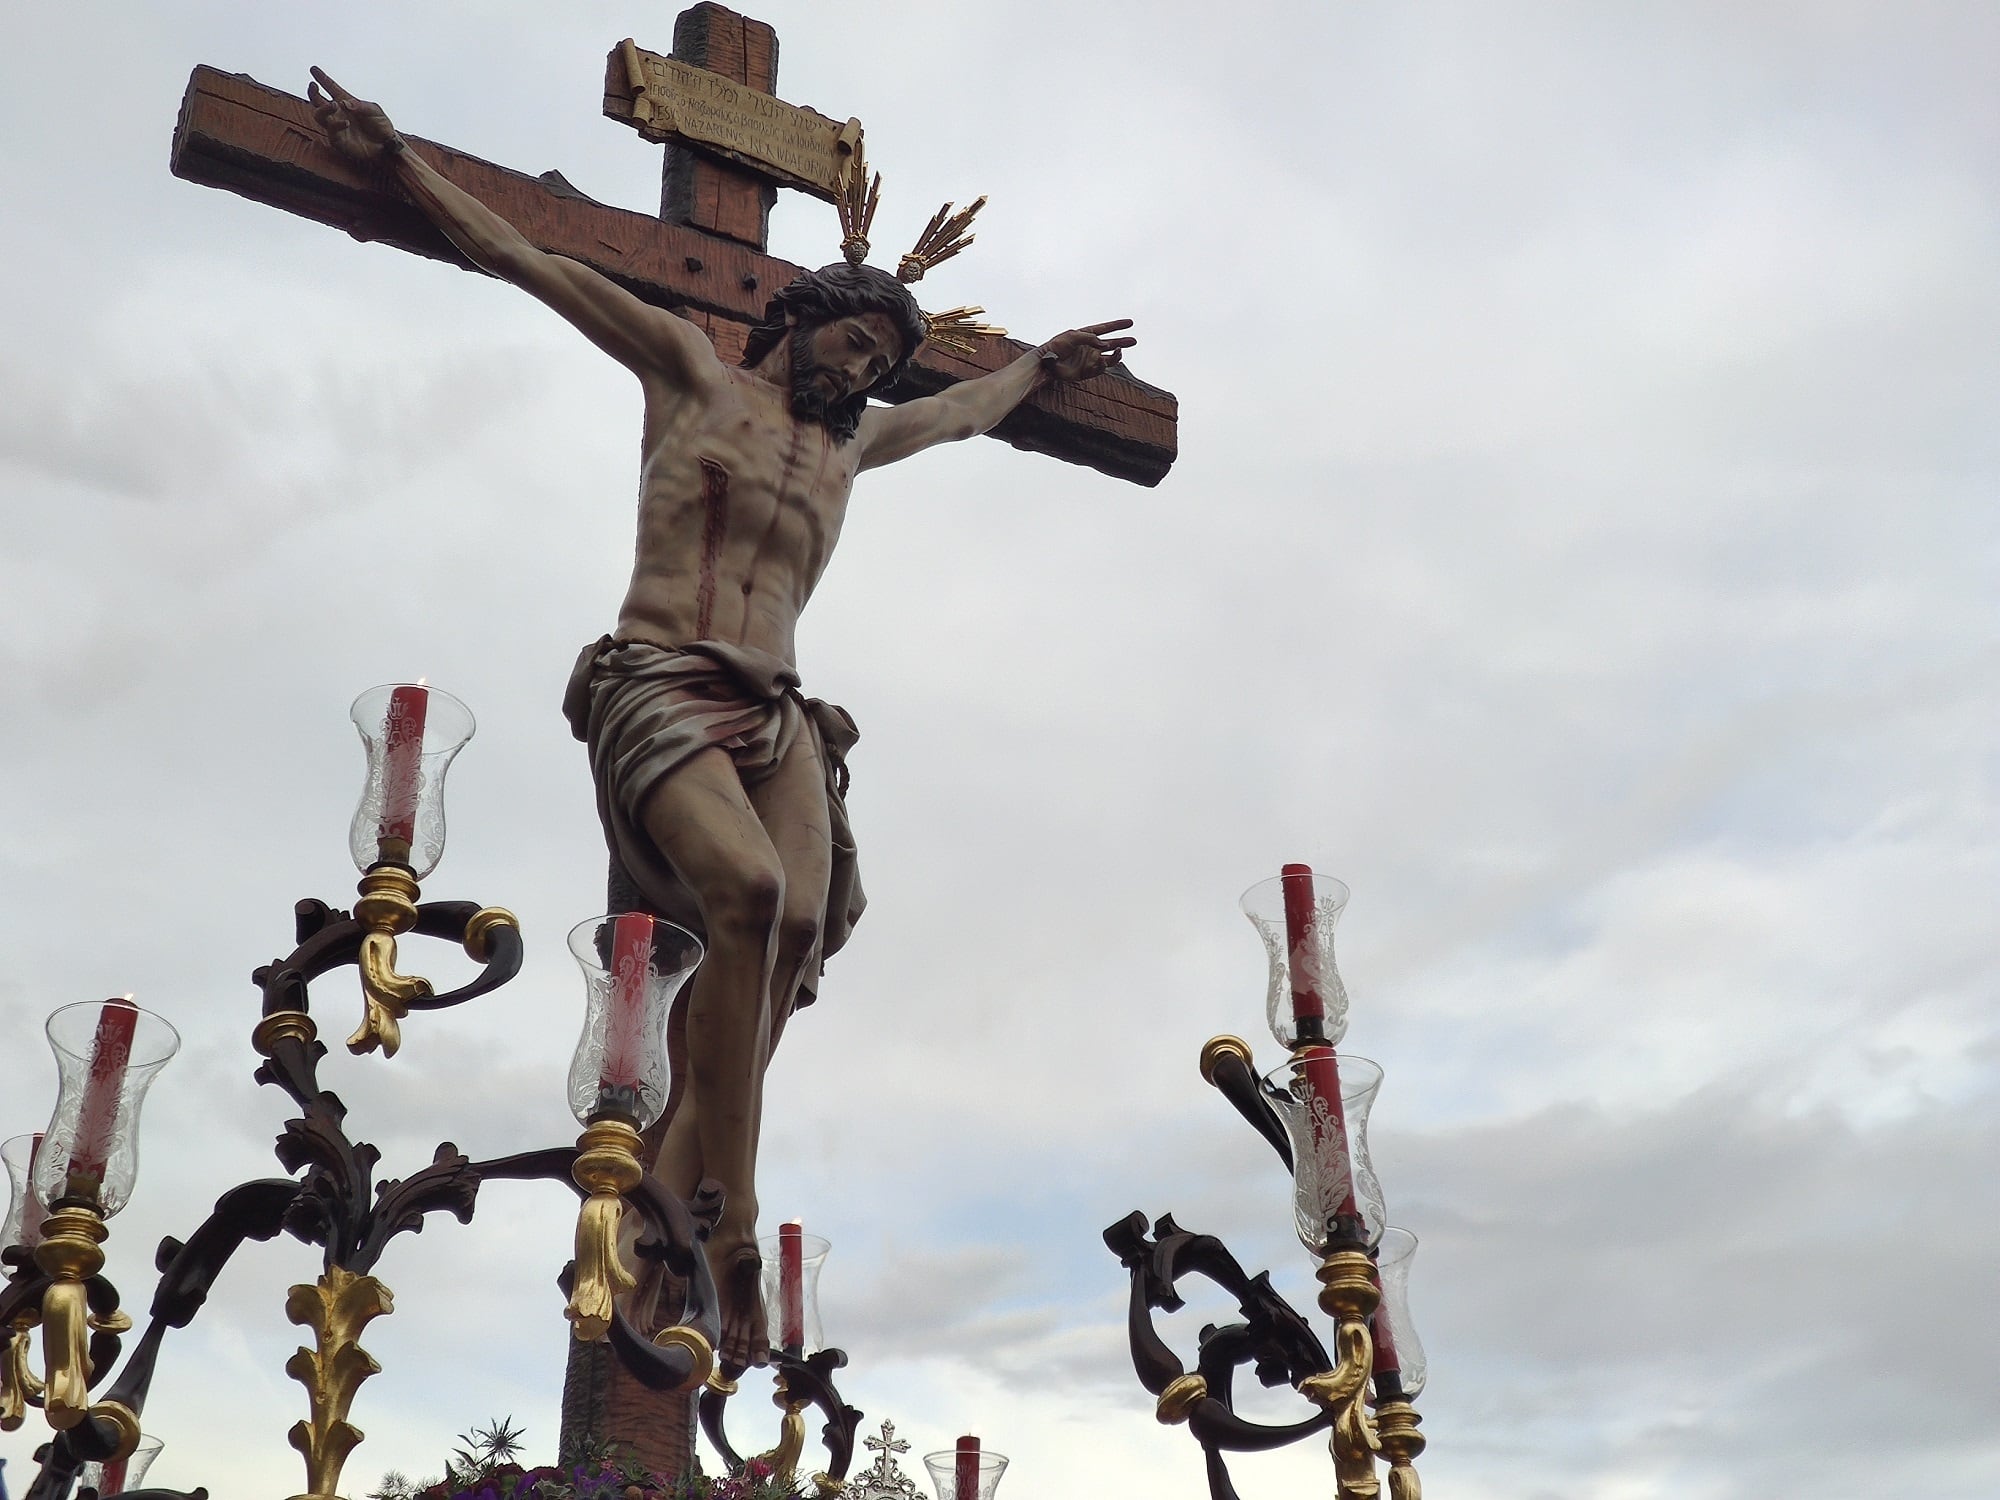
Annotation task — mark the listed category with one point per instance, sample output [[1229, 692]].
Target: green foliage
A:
[[482, 1467]]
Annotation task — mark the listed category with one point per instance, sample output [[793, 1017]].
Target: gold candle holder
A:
[[784, 1459], [607, 1167], [71, 1252], [388, 908], [1348, 1294], [1396, 1426]]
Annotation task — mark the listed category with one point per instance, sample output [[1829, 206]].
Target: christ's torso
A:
[[740, 503]]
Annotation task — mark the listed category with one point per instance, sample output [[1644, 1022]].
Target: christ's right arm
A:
[[640, 336]]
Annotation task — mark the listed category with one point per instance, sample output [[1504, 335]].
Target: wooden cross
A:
[[703, 256]]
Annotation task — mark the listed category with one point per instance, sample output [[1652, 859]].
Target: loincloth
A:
[[644, 711]]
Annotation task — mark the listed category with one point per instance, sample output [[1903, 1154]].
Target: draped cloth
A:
[[644, 711]]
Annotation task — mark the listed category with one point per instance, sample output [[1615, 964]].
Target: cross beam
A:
[[264, 144]]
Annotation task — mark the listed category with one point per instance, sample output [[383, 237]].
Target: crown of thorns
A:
[[956, 328]]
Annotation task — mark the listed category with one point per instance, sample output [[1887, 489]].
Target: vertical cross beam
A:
[[704, 191]]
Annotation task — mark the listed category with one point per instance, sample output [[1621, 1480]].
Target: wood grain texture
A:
[[264, 144], [705, 191]]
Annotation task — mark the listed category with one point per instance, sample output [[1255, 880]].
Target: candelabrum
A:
[[69, 1179], [801, 1367], [1313, 1111]]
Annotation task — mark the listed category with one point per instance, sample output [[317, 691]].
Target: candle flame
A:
[[423, 682]]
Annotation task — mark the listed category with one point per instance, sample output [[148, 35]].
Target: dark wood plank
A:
[[698, 188], [264, 144]]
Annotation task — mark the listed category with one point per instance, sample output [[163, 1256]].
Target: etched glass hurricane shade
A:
[[1303, 967], [108, 1055], [120, 1475], [946, 1464], [24, 1210], [793, 1314], [632, 966], [1405, 1353], [410, 732], [1330, 1162]]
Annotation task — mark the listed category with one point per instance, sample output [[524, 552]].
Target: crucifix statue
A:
[[720, 786]]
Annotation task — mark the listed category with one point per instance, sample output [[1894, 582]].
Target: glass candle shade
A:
[[1295, 914], [108, 1055], [1397, 1347], [1332, 1177], [411, 732], [24, 1210], [632, 965], [951, 1466], [792, 1261], [120, 1474]]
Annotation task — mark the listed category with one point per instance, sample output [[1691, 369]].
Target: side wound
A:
[[714, 523]]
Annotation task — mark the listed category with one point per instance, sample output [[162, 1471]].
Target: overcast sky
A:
[[1583, 543]]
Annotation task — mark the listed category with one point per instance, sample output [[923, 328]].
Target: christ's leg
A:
[[704, 825], [791, 805]]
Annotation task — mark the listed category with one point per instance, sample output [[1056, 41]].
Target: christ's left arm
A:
[[975, 406]]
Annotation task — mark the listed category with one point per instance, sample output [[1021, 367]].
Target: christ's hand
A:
[[357, 129], [1084, 352]]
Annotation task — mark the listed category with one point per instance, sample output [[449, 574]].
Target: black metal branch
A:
[[189, 1269], [813, 1379], [1273, 1338], [23, 1290], [809, 1379], [330, 939], [448, 919], [450, 1183], [1153, 1360], [1233, 1079]]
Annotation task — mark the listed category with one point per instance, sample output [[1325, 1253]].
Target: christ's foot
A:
[[739, 1287]]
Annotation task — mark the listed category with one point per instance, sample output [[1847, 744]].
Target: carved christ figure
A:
[[720, 786]]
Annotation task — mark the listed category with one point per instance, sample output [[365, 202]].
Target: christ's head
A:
[[848, 330]]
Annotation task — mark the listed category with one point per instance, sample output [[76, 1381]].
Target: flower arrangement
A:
[[483, 1468]]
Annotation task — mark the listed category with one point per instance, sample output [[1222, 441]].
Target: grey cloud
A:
[[1582, 543]]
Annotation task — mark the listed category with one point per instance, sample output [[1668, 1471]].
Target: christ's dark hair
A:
[[842, 291]]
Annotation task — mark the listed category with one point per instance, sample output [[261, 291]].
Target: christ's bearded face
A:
[[836, 361]]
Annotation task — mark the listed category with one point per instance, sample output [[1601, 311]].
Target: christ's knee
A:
[[742, 905], [798, 940]]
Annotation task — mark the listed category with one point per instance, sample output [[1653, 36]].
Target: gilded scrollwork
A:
[[19, 1385], [607, 1166], [336, 1308], [71, 1253], [387, 907]]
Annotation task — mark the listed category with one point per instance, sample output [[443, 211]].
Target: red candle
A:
[[114, 1478], [1321, 1067], [402, 768], [32, 1212], [1387, 1366], [1302, 949], [792, 1287], [625, 1026], [110, 1051], [968, 1469]]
